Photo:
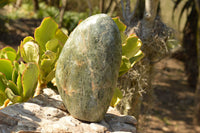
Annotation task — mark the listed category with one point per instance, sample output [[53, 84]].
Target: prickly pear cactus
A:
[[88, 67]]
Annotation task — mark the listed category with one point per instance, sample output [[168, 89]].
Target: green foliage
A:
[[131, 54], [5, 2], [44, 48], [17, 81]]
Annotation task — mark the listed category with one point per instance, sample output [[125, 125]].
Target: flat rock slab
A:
[[46, 113]]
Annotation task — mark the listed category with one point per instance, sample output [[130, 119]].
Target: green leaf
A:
[[19, 84], [11, 55], [46, 67], [13, 87], [14, 75], [15, 71], [121, 26], [125, 66], [6, 49], [52, 45], [3, 97], [117, 96], [22, 67], [18, 53], [13, 97], [50, 76], [29, 80], [49, 55], [62, 37], [136, 58], [131, 47], [6, 67], [8, 53], [30, 52], [45, 32], [47, 63], [27, 39], [3, 82]]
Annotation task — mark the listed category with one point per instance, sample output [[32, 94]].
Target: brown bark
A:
[[62, 11], [101, 5], [143, 22], [18, 4], [197, 92], [190, 48], [36, 5], [109, 6], [90, 7]]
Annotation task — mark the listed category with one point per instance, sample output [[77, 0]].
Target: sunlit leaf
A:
[[52, 45], [6, 67], [12, 96], [3, 97], [45, 32], [46, 66], [30, 51], [61, 37], [22, 67], [14, 75], [29, 80], [11, 55], [13, 87], [19, 84], [121, 26], [6, 49], [50, 76], [8, 53], [117, 96], [27, 39], [136, 58], [3, 85], [131, 47], [3, 82]]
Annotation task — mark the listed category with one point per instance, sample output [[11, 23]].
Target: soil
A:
[[172, 107]]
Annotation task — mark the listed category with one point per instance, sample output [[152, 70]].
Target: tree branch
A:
[[149, 17], [123, 11], [109, 6], [62, 11], [102, 5], [90, 7], [128, 8], [151, 9]]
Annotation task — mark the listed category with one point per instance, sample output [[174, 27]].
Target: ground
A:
[[172, 107]]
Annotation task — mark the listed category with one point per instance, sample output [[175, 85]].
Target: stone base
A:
[[46, 113]]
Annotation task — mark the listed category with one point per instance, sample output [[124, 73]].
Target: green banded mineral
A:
[[88, 66]]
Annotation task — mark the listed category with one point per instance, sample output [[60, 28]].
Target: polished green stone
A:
[[88, 66]]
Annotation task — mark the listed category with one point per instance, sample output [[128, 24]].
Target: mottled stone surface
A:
[[88, 67], [47, 114]]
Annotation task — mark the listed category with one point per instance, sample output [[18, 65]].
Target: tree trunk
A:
[[190, 47], [101, 5], [18, 3], [36, 5], [150, 30], [197, 93]]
